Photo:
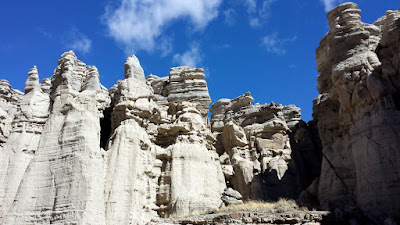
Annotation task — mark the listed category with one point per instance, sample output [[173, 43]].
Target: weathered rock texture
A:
[[73, 152], [256, 144], [252, 217], [182, 84], [358, 114], [23, 139]]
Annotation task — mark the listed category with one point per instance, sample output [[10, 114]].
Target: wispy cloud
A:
[[275, 44], [138, 24], [229, 18], [251, 5], [44, 32], [165, 46], [330, 4], [77, 41], [191, 57], [258, 11], [254, 22]]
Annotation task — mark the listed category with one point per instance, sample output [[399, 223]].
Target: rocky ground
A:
[[250, 217]]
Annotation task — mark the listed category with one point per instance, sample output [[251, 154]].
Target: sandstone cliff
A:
[[256, 144], [358, 115], [73, 152]]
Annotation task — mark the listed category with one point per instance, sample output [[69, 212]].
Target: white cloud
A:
[[138, 24], [165, 46], [254, 22], [276, 45], [330, 4], [77, 41], [229, 18], [44, 32], [251, 5], [265, 8], [258, 11], [191, 57]]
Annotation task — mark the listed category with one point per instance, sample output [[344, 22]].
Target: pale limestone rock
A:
[[9, 104], [182, 84], [46, 85], [231, 196], [133, 68], [161, 152], [132, 170], [131, 176], [255, 142], [358, 115], [32, 82], [194, 182], [142, 150], [64, 181], [23, 141]]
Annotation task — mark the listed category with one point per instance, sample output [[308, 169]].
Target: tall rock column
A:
[[64, 182], [23, 141], [132, 168], [193, 181], [358, 113], [254, 144]]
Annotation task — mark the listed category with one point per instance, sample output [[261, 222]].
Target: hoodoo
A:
[[75, 152]]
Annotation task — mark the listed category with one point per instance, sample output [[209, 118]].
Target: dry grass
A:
[[282, 205]]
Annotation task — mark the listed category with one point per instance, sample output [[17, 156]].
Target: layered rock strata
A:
[[182, 84], [62, 182], [358, 114], [9, 103], [253, 217], [255, 147], [73, 152], [23, 140]]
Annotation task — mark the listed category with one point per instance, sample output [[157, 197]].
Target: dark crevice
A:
[[396, 99], [105, 127]]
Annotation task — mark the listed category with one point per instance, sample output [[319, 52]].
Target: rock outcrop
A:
[[252, 217], [183, 84], [63, 179], [255, 147], [160, 158], [358, 114], [23, 140], [73, 152], [9, 103]]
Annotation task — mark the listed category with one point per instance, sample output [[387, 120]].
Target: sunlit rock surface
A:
[[73, 152], [358, 115], [260, 148]]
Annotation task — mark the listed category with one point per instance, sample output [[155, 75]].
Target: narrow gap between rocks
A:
[[105, 128]]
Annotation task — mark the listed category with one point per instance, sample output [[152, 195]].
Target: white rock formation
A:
[[23, 140], [358, 114], [64, 181], [254, 143], [159, 159], [183, 84]]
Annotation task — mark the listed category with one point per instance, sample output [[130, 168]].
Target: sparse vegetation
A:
[[280, 206]]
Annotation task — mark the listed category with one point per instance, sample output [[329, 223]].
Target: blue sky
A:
[[266, 47]]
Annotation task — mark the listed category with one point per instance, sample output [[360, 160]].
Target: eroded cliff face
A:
[[73, 152], [358, 114], [261, 149]]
